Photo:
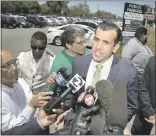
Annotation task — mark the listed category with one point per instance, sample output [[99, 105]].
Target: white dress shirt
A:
[[35, 73], [104, 71], [15, 110]]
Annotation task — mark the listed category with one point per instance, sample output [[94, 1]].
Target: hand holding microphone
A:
[[72, 87], [51, 79]]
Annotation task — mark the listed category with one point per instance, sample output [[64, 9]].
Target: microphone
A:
[[104, 90], [73, 86], [117, 114], [61, 79], [89, 90]]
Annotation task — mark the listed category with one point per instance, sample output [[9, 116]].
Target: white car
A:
[[54, 33]]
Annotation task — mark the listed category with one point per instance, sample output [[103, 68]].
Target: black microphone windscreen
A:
[[104, 90], [117, 113]]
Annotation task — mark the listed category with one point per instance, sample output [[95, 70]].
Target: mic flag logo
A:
[[59, 78], [77, 82]]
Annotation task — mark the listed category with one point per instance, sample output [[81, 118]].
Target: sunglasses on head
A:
[[37, 47]]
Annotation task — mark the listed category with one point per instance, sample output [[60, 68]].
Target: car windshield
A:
[[21, 19], [41, 18]]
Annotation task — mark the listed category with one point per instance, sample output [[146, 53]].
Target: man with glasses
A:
[[18, 103], [34, 65], [73, 41]]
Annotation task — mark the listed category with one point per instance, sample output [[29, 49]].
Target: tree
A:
[[45, 9], [81, 10], [7, 7], [20, 6], [104, 14], [57, 7]]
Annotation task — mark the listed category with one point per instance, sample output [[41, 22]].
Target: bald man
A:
[[18, 103]]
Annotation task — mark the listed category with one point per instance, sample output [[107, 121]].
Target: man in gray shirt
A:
[[136, 50]]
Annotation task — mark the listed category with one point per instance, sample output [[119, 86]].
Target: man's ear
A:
[[116, 47]]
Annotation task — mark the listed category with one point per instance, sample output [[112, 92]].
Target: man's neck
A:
[[7, 83], [70, 53]]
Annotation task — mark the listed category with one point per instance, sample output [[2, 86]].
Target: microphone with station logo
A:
[[72, 87]]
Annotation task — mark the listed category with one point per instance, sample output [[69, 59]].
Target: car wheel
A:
[[21, 26], [57, 41], [5, 26]]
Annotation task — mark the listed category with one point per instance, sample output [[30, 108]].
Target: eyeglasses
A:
[[81, 43], [9, 64], [37, 47]]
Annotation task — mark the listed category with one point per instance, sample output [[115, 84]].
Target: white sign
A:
[[127, 22], [133, 16], [126, 33]]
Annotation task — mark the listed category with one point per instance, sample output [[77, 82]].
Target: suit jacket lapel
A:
[[114, 69], [86, 68]]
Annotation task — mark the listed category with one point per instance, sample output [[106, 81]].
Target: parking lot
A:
[[18, 40]]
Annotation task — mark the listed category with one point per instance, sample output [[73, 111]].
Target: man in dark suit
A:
[[103, 64], [105, 44], [145, 117]]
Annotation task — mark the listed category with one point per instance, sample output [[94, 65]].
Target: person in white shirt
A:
[[18, 103], [34, 65]]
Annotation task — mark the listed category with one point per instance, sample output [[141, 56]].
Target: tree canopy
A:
[[52, 8]]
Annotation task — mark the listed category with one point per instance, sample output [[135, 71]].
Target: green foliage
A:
[[82, 10], [104, 14], [151, 38], [57, 7], [20, 7], [45, 9], [52, 8]]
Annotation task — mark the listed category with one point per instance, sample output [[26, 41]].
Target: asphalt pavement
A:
[[18, 40]]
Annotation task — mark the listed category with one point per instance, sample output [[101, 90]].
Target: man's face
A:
[[38, 48], [104, 45], [78, 46], [9, 69]]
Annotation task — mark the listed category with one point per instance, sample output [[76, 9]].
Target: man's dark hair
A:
[[107, 25], [70, 33], [140, 32], [40, 36]]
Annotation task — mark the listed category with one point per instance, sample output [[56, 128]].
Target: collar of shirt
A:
[[10, 90], [6, 89], [104, 72], [40, 58], [107, 63], [140, 42]]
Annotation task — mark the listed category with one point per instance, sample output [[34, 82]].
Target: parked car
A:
[[57, 22], [22, 23], [91, 24], [63, 20], [54, 34], [7, 21], [35, 21]]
